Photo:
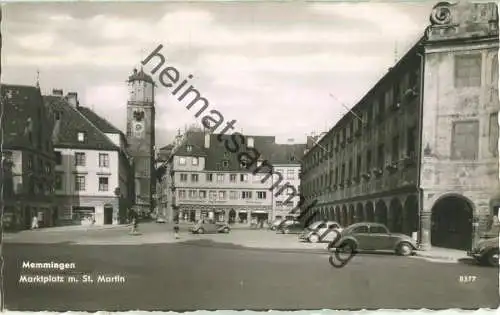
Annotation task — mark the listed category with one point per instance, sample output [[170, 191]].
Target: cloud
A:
[[38, 41], [270, 66]]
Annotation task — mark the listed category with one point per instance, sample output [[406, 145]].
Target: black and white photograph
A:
[[249, 155]]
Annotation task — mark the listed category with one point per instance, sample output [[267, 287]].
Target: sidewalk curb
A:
[[438, 257]]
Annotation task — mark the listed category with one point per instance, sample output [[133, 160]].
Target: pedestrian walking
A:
[[34, 222], [176, 231]]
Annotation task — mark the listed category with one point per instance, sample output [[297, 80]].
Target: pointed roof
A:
[[71, 121], [140, 76], [20, 108], [98, 121]]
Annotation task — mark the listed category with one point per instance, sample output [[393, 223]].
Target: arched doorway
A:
[[451, 222], [351, 214], [359, 213], [410, 215], [232, 216], [381, 212], [344, 218], [337, 215], [370, 212]]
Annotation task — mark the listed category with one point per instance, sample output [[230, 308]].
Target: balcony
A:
[[392, 167], [377, 172], [366, 176], [396, 106], [409, 160]]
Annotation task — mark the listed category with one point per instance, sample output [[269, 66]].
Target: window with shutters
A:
[[468, 70], [465, 140], [494, 134], [494, 71]]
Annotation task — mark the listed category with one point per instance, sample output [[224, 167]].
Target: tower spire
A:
[[38, 78]]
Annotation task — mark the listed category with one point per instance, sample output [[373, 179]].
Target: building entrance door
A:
[[108, 215]]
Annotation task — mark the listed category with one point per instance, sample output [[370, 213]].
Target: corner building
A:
[[207, 180], [419, 152]]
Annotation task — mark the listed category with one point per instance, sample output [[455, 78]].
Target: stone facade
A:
[[141, 138], [423, 140]]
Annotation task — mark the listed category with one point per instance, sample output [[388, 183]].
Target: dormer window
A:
[[81, 136], [226, 154], [189, 148], [243, 164], [225, 164]]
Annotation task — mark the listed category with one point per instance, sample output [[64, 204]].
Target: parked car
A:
[[291, 227], [210, 227], [369, 236], [283, 223], [323, 231], [160, 219], [486, 251], [274, 225]]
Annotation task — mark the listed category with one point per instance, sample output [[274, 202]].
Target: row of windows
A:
[[81, 182], [367, 162], [233, 178], [221, 194], [464, 146], [80, 159], [468, 69]]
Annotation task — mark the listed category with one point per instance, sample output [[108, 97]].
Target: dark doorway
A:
[[232, 216], [381, 212], [359, 213], [410, 215], [396, 222], [451, 223], [370, 212], [345, 220], [108, 215], [351, 215]]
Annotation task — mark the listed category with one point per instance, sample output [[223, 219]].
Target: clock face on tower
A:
[[138, 129]]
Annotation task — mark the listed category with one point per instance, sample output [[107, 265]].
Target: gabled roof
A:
[[20, 112], [218, 158], [71, 122], [194, 141], [100, 122]]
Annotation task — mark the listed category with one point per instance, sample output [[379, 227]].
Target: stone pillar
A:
[[425, 230]]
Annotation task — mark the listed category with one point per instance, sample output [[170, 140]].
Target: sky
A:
[[282, 69]]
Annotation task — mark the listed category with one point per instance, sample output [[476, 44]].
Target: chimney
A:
[[250, 142], [57, 92], [72, 98], [207, 140]]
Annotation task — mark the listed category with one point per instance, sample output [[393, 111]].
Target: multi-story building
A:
[[93, 178], [163, 184], [141, 137], [209, 181], [27, 158], [419, 151], [286, 161]]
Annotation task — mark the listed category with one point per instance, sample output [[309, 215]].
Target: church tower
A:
[[141, 137]]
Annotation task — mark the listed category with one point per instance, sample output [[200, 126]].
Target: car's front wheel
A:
[[286, 231], [201, 231], [491, 258], [225, 230], [314, 238], [404, 249]]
